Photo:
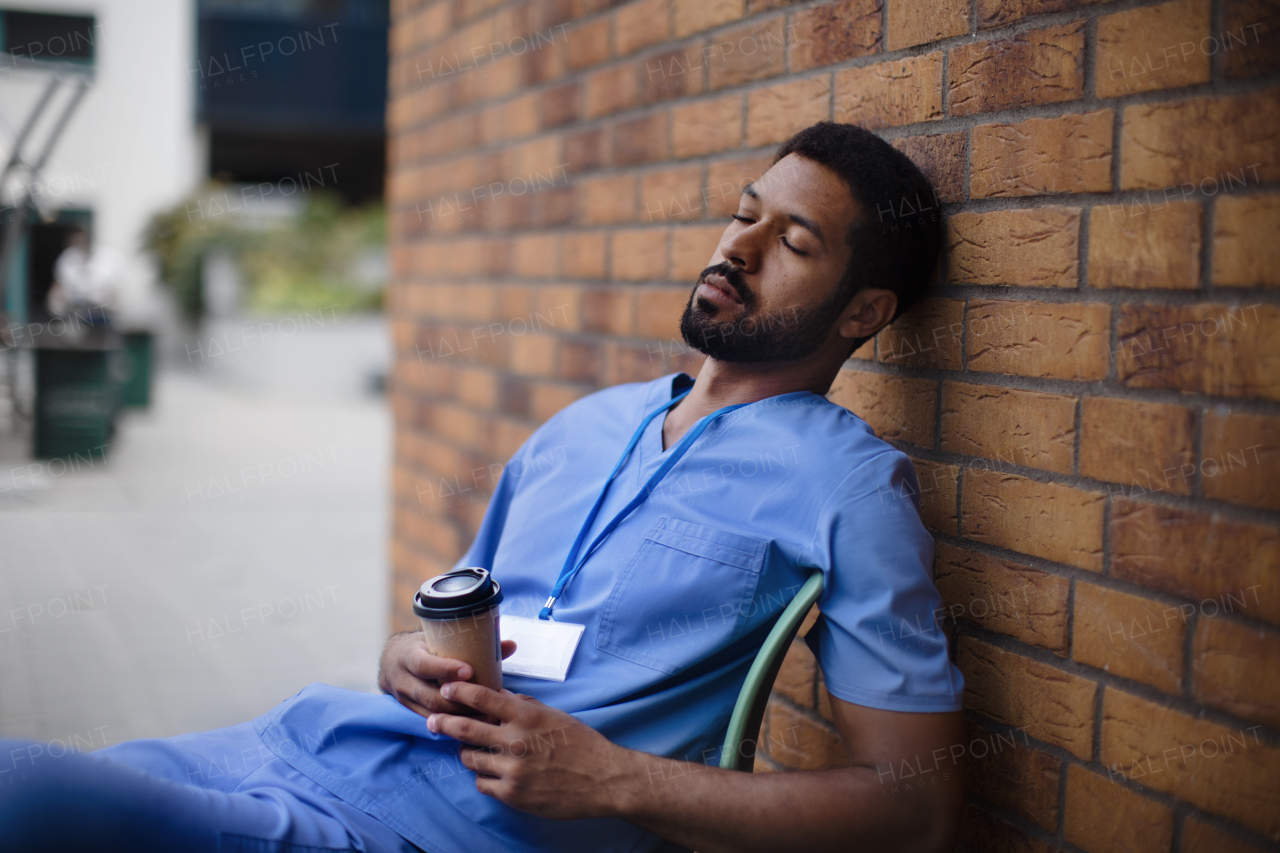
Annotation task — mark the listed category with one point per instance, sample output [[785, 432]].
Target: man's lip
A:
[[721, 284]]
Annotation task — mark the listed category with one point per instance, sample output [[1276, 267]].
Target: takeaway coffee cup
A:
[[459, 616]]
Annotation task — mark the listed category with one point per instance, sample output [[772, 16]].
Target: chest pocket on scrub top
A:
[[686, 593]]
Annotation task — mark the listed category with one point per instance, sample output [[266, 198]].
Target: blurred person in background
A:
[[84, 281]]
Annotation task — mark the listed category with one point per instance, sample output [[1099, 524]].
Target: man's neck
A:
[[721, 384]]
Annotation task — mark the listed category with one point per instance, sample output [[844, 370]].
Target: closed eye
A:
[[792, 248], [741, 218]]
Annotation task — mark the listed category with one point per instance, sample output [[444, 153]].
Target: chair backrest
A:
[[739, 751]]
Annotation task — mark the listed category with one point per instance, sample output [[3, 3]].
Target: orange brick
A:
[[1012, 427], [1201, 837], [897, 408], [478, 388], [705, 127], [1042, 519], [794, 740], [1245, 251], [640, 25], [533, 355], [941, 158], [1143, 446], [611, 90], [535, 256], [1033, 67], [796, 678], [1199, 556], [750, 52], [1155, 245], [639, 254], [1128, 636], [995, 13], [1236, 667], [1047, 703], [895, 92], [1017, 778], [939, 485], [928, 335], [1036, 247], [778, 112], [586, 150], [694, 16], [580, 361], [1250, 38], [555, 307], [1138, 50], [511, 120], [981, 832], [1103, 816], [1221, 770], [584, 255], [641, 140], [913, 22], [1005, 597], [833, 33], [1067, 154], [658, 311], [1200, 141], [726, 180], [674, 193], [546, 399], [607, 199], [587, 45], [691, 250], [1049, 340], [1214, 349], [1241, 458], [607, 311]]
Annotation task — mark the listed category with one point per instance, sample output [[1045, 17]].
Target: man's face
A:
[[770, 293]]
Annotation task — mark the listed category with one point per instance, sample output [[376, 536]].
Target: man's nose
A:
[[743, 248]]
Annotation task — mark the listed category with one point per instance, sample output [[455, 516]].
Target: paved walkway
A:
[[230, 550]]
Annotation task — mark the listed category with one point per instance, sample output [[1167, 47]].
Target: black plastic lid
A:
[[465, 592]]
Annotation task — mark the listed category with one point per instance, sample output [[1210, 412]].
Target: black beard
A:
[[756, 337]]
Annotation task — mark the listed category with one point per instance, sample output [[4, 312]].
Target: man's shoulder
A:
[[617, 407], [846, 440]]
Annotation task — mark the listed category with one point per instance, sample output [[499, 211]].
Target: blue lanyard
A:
[[570, 566]]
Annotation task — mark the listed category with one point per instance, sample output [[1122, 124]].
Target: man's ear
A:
[[868, 312]]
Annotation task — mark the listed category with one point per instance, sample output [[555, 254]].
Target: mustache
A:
[[731, 274]]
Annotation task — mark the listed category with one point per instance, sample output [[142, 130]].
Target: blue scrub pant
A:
[[211, 792]]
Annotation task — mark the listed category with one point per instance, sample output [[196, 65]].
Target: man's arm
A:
[[546, 762]]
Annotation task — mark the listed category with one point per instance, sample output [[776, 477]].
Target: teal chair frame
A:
[[748, 713]]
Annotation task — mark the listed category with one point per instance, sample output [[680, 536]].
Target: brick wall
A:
[[1092, 399]]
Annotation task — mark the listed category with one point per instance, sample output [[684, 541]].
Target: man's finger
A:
[[482, 699], [466, 729], [508, 648], [481, 761], [428, 696], [423, 664]]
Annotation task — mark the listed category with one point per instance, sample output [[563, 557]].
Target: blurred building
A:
[[156, 96]]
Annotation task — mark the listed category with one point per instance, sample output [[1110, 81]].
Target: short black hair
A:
[[897, 238]]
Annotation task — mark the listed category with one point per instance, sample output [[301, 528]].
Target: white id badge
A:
[[544, 649]]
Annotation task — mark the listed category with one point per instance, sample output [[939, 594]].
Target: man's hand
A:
[[537, 758], [413, 675]]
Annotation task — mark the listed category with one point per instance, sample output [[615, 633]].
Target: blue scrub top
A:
[[676, 602]]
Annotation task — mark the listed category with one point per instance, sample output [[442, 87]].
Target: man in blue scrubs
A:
[[727, 492]]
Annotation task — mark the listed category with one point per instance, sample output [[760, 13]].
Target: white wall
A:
[[132, 146]]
